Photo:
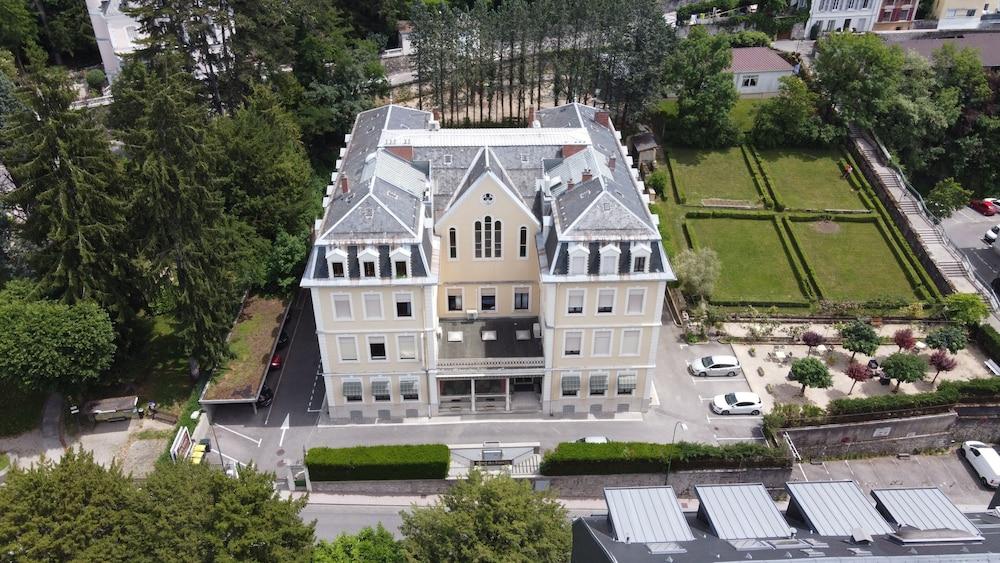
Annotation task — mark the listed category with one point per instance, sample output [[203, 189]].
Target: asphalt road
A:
[[966, 229], [246, 437]]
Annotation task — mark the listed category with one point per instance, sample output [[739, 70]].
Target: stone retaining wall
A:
[[875, 437]]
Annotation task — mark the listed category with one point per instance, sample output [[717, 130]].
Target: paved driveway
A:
[[246, 436], [948, 471], [966, 229]]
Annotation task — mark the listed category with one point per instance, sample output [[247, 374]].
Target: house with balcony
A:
[[959, 14], [513, 270], [896, 15], [827, 16]]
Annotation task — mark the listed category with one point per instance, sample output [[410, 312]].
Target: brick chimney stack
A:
[[587, 176], [532, 120], [611, 162], [344, 186], [604, 118], [569, 185], [437, 114]]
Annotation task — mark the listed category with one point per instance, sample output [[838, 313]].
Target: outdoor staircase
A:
[[951, 268], [929, 235], [909, 206], [526, 466]]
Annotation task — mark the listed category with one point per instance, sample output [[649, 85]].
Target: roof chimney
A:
[[604, 118], [570, 150], [436, 113], [587, 175], [611, 162], [344, 186], [532, 121], [569, 185]]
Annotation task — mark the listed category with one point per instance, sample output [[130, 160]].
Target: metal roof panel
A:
[[741, 511], [836, 508], [646, 515], [924, 508]]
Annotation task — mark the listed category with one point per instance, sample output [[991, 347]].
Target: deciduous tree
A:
[[946, 197], [905, 368], [966, 308], [370, 545], [697, 271], [950, 338], [487, 518], [859, 336], [811, 372], [812, 339], [859, 74], [858, 374], [791, 118], [941, 361], [697, 73], [904, 339]]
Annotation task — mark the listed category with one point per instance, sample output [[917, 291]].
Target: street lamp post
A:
[[673, 439]]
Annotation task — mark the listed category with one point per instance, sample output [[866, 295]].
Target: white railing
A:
[[492, 362], [93, 102]]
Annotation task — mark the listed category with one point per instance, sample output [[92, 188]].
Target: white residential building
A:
[[756, 71], [117, 34], [826, 16], [486, 270]]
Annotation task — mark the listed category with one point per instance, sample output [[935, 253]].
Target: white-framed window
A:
[[373, 306], [640, 257], [353, 390], [409, 388], [574, 301], [368, 258], [407, 346], [381, 389], [569, 382], [834, 5], [453, 243], [606, 301], [401, 269], [447, 160], [636, 301], [338, 263], [342, 307], [455, 298], [598, 384], [578, 254], [572, 342], [522, 242], [522, 298], [609, 259], [404, 305], [488, 241], [376, 348], [851, 4], [750, 81], [347, 347], [488, 299], [626, 382], [823, 5], [630, 342], [864, 6], [830, 24], [602, 343], [400, 258]]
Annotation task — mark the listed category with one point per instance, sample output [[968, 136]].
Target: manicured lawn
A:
[[809, 179], [4, 461], [251, 343], [754, 264], [852, 261], [719, 174], [20, 411], [742, 113]]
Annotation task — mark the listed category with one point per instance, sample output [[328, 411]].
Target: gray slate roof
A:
[[835, 508]]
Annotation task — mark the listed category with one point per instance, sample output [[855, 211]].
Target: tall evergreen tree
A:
[[69, 192]]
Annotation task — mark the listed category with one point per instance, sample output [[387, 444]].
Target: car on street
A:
[[265, 398], [276, 361], [737, 403], [282, 340], [594, 440], [991, 234], [984, 460], [987, 208], [710, 366]]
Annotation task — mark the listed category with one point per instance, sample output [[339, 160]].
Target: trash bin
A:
[[207, 443], [883, 380]]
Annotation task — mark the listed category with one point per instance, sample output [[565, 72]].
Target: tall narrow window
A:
[[488, 237], [479, 239], [522, 243], [452, 243], [497, 240]]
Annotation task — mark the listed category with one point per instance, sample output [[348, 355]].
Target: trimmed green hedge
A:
[[893, 402], [778, 204], [988, 339], [679, 194], [730, 214], [983, 390], [572, 458], [757, 181], [362, 463], [803, 271]]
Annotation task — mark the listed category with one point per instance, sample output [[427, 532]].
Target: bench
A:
[[993, 367]]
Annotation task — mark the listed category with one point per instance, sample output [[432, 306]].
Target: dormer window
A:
[[640, 257], [337, 259], [578, 254], [400, 262], [609, 259], [368, 259]]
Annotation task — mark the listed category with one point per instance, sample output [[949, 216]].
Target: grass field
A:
[[754, 264], [251, 343], [742, 112], [809, 179], [852, 261], [705, 174]]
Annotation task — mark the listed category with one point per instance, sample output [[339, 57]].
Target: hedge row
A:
[[778, 204], [786, 304], [757, 180], [679, 194], [911, 275], [810, 275], [988, 339], [945, 395], [572, 458], [981, 390], [362, 463], [730, 214]]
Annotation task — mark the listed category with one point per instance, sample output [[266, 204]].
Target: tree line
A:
[[490, 62]]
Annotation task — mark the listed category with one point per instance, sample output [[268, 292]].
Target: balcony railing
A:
[[452, 363]]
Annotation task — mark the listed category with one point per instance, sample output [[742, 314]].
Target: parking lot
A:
[[948, 471], [966, 229]]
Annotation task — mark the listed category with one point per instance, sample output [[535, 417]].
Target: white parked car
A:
[[991, 234], [985, 460], [737, 403], [594, 440], [715, 365]]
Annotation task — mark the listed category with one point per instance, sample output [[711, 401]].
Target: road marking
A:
[[806, 478], [706, 398], [849, 467], [684, 346], [723, 379], [244, 436], [284, 428], [288, 353], [232, 459]]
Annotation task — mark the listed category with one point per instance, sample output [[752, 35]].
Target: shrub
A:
[[904, 339], [812, 339], [981, 390], [988, 339], [788, 415], [423, 461], [893, 402], [95, 78], [572, 458], [658, 181]]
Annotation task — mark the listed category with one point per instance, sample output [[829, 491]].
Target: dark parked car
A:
[[265, 398], [282, 339]]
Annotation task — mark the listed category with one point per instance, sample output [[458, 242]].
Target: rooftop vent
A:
[[454, 336], [489, 335]]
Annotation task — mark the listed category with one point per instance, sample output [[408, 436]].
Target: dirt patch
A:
[[252, 340], [737, 203], [825, 227]]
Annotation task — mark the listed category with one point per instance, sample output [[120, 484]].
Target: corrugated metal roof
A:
[[836, 508], [743, 511], [924, 508], [646, 514], [480, 137]]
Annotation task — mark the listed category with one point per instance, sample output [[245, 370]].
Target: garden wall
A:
[[875, 437], [977, 423]]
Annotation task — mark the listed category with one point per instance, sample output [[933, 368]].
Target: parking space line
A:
[[232, 459], [241, 435], [802, 469], [706, 398], [848, 464]]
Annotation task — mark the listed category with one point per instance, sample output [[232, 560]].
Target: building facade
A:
[[896, 15], [757, 71], [959, 14], [827, 16], [486, 270]]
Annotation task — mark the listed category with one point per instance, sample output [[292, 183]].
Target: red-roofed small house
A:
[[756, 71]]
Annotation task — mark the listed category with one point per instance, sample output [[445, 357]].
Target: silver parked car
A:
[[715, 365], [736, 403], [991, 235]]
